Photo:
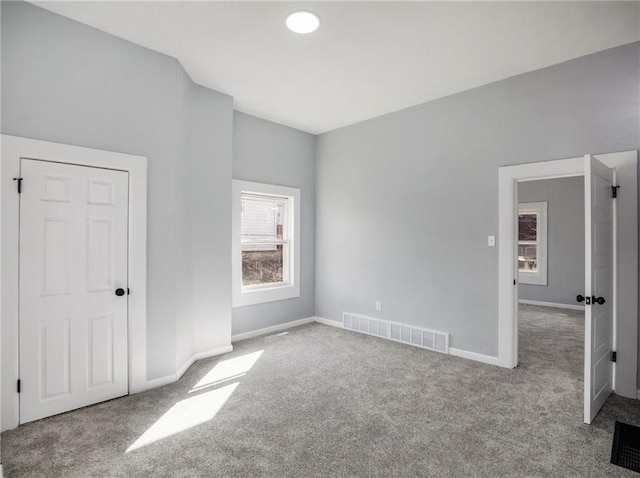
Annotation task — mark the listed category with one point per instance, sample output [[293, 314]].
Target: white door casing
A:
[[599, 291], [73, 256], [625, 267], [13, 149]]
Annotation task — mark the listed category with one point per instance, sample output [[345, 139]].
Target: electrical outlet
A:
[[378, 306]]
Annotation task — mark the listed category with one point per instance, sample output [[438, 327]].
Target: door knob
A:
[[598, 300], [586, 300], [120, 292]]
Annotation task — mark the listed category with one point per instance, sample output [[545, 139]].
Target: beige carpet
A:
[[319, 401]]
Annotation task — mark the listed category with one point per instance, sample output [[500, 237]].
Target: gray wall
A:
[[565, 238], [270, 153], [66, 82], [184, 222], [405, 201], [203, 222], [212, 146]]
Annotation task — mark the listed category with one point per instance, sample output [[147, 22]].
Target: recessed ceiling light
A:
[[303, 22]]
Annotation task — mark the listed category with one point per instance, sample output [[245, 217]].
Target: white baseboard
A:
[[185, 367], [488, 359], [202, 355], [551, 304], [161, 381], [270, 330], [332, 323], [174, 377], [213, 352]]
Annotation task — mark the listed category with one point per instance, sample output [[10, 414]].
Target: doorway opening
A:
[[610, 328], [551, 274]]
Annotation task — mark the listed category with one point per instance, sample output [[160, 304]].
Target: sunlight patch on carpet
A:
[[186, 414], [228, 369]]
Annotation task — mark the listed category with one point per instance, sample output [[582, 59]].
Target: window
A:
[[266, 252], [265, 246], [532, 243]]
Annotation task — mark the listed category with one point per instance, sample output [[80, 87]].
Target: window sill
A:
[[265, 294], [531, 279]]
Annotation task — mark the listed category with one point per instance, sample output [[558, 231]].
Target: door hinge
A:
[[614, 191], [614, 356], [19, 184], [514, 282], [19, 388]]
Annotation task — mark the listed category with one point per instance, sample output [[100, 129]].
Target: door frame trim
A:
[[625, 321], [13, 149]]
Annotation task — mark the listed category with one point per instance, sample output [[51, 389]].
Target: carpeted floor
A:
[[319, 401]]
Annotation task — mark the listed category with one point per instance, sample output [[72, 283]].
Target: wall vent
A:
[[407, 334]]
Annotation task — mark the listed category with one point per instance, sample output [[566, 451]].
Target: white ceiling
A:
[[367, 58]]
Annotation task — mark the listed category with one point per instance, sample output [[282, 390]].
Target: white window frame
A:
[[250, 295], [538, 277]]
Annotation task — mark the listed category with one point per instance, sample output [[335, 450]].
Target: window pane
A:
[[263, 219], [262, 263], [528, 257], [527, 227]]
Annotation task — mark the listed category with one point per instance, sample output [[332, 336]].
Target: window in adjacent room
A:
[[266, 253], [532, 243]]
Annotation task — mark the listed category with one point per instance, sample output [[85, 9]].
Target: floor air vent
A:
[[626, 446], [423, 338]]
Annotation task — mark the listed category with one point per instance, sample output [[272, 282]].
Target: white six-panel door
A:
[[598, 370], [73, 258]]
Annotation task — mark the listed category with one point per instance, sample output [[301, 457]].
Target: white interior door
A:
[[73, 258], [599, 293]]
